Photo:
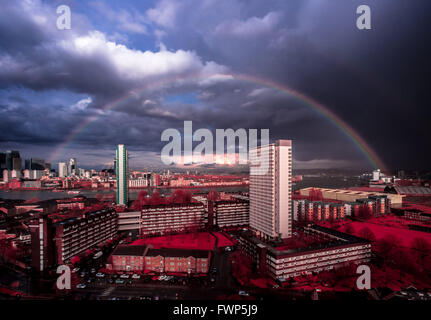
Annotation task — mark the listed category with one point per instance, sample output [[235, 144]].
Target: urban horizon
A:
[[213, 158]]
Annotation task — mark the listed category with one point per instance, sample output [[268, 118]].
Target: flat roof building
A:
[[270, 191]]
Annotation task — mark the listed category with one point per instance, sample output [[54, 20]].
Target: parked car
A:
[[136, 276], [155, 278], [76, 269], [81, 286], [111, 281], [161, 278], [120, 281], [100, 275], [124, 276], [93, 270], [243, 293], [98, 255]]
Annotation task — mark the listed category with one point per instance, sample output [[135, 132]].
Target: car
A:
[[93, 270], [136, 276], [98, 255], [275, 286], [89, 280], [111, 281], [162, 278], [81, 286], [120, 281], [124, 276], [243, 293], [76, 269], [155, 278], [83, 274], [100, 275], [213, 279]]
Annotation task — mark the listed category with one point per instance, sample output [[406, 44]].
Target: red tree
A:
[[367, 234]]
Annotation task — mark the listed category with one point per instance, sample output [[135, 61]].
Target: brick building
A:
[[140, 258]]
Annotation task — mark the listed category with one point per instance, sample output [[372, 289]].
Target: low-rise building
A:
[[338, 249], [139, 258]]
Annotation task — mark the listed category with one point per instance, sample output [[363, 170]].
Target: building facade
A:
[[62, 170], [270, 191], [56, 243], [231, 213], [122, 165], [140, 258], [340, 249], [171, 218]]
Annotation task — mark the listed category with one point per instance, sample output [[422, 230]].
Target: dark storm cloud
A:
[[376, 80]]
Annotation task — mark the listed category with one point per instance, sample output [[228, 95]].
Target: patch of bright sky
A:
[[107, 24], [186, 98]]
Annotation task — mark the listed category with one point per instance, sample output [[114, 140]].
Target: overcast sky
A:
[[167, 57]]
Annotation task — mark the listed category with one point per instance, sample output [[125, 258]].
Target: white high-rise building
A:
[[271, 192], [62, 169], [73, 167], [122, 175]]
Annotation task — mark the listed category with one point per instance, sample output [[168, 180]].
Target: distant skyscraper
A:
[[270, 193], [13, 160], [35, 164], [62, 169], [73, 166], [122, 167]]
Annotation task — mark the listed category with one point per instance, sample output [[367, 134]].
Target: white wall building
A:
[[270, 192]]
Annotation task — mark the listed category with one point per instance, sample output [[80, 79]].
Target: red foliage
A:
[[367, 234], [241, 267]]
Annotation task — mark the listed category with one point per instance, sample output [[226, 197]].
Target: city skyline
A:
[[154, 65]]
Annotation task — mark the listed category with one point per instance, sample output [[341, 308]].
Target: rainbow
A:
[[348, 131]]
